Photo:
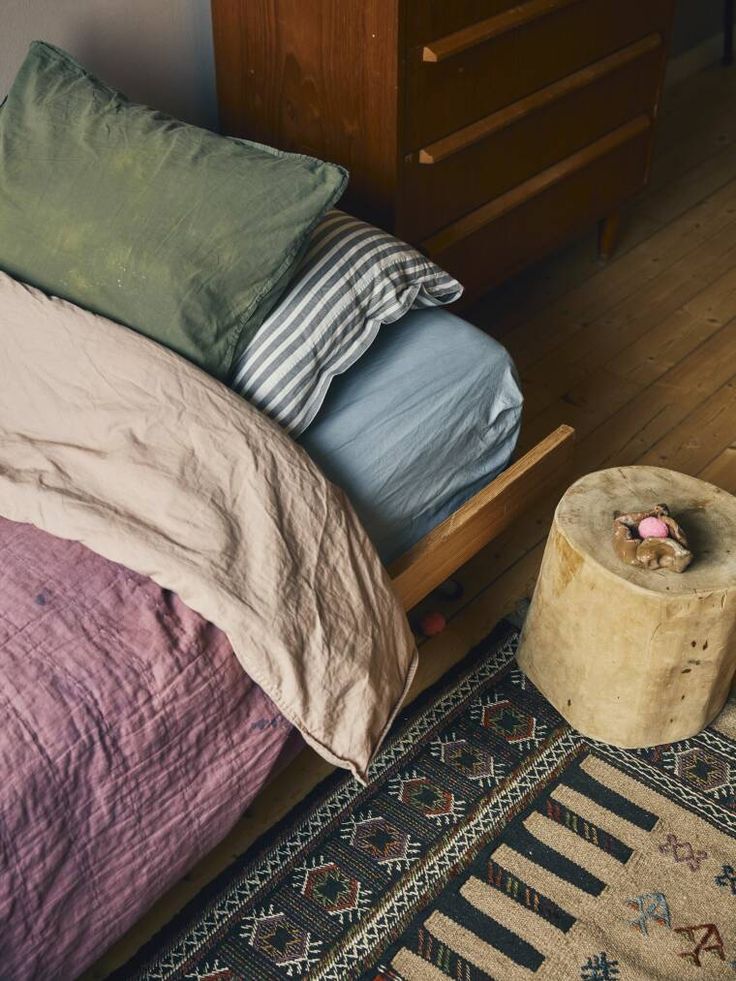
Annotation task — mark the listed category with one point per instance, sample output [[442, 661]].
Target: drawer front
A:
[[494, 242], [484, 73], [430, 19], [469, 167]]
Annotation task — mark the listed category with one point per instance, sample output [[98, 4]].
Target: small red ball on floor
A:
[[432, 623]]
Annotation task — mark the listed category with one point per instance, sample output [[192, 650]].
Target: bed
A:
[[165, 748], [181, 586]]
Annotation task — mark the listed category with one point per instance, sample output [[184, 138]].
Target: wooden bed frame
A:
[[481, 519]]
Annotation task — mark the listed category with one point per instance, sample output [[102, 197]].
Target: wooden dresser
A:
[[484, 131]]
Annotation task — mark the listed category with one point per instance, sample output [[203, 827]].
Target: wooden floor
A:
[[638, 355]]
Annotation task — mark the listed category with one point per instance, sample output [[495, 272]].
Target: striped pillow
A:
[[352, 279]]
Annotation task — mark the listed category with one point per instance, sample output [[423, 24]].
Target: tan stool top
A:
[[706, 513]]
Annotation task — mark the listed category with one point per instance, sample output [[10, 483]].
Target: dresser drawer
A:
[[469, 167], [512, 54], [430, 19], [492, 243]]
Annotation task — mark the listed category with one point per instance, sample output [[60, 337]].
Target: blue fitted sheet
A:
[[429, 415]]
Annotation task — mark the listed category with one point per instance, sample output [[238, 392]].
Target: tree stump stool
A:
[[631, 656]]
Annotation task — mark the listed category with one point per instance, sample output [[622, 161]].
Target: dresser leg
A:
[[608, 235]]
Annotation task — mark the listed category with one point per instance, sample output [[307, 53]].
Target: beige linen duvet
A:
[[111, 440]]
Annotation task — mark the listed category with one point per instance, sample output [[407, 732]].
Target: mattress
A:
[[428, 416]]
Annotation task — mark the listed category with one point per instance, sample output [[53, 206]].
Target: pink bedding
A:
[[108, 439], [133, 731], [131, 741]]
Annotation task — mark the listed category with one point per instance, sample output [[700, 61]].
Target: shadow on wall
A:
[[155, 51]]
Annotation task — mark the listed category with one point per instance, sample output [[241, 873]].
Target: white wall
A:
[[155, 51]]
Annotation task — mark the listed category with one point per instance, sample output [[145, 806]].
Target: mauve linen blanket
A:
[[131, 741]]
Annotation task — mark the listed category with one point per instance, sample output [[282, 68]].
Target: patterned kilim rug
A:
[[494, 841]]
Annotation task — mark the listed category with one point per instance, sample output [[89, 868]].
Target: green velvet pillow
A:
[[186, 236]]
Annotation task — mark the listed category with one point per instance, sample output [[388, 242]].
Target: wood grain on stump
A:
[[630, 656]]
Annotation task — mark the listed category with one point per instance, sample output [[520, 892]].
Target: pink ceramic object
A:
[[653, 528]]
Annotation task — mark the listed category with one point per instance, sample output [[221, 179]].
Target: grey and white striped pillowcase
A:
[[353, 279]]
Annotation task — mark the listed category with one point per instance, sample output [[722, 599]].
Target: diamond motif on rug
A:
[[509, 721], [702, 769], [432, 801], [332, 889], [476, 764], [381, 840], [277, 938]]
